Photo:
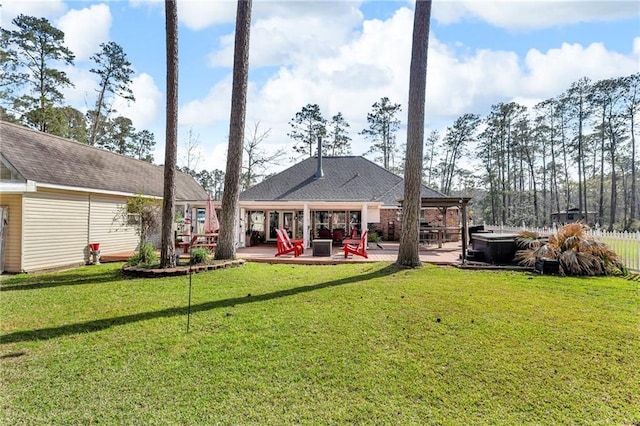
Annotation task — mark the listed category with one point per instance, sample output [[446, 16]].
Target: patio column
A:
[[238, 227], [365, 218], [242, 228], [465, 230], [306, 226]]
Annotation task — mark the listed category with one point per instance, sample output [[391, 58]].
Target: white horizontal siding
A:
[[55, 229], [107, 227]]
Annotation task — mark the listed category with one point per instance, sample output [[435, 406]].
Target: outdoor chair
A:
[[324, 234], [354, 233], [297, 242], [359, 249], [186, 245], [285, 246]]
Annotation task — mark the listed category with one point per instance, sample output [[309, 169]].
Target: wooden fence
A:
[[625, 244]]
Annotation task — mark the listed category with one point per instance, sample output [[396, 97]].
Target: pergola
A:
[[443, 204]]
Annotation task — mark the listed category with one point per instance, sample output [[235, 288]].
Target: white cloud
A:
[[210, 109], [197, 15], [286, 35], [85, 29], [527, 14], [551, 72], [215, 157], [148, 105], [458, 85], [83, 95], [40, 8]]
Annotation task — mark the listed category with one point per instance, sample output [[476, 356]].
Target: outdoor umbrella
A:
[[211, 223]]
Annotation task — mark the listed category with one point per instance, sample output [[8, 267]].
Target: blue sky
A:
[[343, 56]]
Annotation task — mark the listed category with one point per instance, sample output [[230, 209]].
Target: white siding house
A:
[[59, 196]]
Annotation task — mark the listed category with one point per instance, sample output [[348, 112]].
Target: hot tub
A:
[[496, 248]]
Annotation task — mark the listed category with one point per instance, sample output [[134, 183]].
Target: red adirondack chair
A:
[[298, 243], [359, 249], [285, 246]]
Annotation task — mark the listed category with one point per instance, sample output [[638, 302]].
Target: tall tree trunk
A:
[[625, 199], [581, 204], [566, 166], [600, 219], [408, 255], [96, 118], [632, 110], [614, 180], [545, 211], [226, 241], [167, 256], [555, 189], [633, 212], [503, 175]]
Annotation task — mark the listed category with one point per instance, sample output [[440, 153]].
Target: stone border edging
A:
[[179, 270]]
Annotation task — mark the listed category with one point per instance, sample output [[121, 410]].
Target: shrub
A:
[[576, 252], [199, 256], [145, 256], [373, 237]]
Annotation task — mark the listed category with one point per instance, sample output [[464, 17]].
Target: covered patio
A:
[[448, 254]]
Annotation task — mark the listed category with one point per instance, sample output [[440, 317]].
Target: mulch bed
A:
[[179, 270]]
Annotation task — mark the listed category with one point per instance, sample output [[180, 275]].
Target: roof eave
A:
[[93, 190]]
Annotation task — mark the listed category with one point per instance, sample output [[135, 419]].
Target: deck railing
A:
[[625, 244]]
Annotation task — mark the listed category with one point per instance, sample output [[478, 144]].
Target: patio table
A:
[[322, 247]]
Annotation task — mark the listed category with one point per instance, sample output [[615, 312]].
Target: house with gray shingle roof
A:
[[57, 196], [327, 197]]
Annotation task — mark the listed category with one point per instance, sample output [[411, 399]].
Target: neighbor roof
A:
[[48, 159], [350, 178]]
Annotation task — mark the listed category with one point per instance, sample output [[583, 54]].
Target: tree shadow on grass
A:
[[48, 281], [102, 324]]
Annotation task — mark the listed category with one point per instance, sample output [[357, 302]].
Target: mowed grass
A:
[[345, 344]]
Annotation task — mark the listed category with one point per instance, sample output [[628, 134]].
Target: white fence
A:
[[625, 244]]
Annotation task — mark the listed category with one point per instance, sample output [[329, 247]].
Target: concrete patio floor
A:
[[448, 254]]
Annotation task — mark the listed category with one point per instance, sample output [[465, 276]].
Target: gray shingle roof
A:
[[49, 159], [350, 178]]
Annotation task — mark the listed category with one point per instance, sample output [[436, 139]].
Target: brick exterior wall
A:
[[391, 225]]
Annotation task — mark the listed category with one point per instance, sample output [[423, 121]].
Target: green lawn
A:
[[346, 344]]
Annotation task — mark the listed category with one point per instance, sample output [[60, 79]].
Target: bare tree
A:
[[257, 160], [192, 149], [226, 241], [167, 257], [408, 255]]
